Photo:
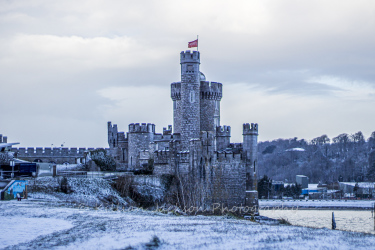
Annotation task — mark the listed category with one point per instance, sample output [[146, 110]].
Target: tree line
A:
[[342, 158]]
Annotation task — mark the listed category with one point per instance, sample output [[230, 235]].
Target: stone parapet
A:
[[189, 56], [141, 128], [250, 129], [176, 91], [211, 90], [223, 131]]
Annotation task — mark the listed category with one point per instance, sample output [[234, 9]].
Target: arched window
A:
[[254, 166], [192, 97]]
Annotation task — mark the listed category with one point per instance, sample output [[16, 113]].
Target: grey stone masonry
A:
[[190, 101], [139, 138], [211, 93], [176, 97], [250, 146], [3, 139], [51, 155], [222, 137]]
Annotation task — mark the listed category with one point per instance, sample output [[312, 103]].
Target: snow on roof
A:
[[360, 184], [296, 149], [16, 160], [3, 144]]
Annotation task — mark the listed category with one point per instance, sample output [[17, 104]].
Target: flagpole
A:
[[197, 43]]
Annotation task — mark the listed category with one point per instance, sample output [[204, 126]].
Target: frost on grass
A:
[[91, 192], [107, 229]]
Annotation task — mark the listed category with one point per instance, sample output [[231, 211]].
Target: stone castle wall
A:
[[228, 181], [56, 155]]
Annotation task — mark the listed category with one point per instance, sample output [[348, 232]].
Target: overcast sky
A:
[[297, 68]]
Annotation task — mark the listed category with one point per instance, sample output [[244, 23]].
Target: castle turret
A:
[[222, 137], [176, 97], [112, 135], [250, 150], [139, 138], [211, 93], [190, 101]]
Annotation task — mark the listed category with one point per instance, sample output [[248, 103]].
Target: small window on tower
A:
[[190, 68]]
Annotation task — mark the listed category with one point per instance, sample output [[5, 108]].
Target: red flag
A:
[[193, 43]]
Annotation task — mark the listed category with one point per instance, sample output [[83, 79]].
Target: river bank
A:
[[317, 204]]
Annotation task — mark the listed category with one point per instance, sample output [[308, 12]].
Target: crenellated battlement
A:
[[250, 129], [49, 152], [223, 131], [211, 90], [161, 156], [3, 139], [176, 91], [189, 56], [141, 128], [223, 157], [167, 131]]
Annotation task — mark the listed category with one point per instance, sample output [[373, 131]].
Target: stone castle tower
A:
[[196, 102], [198, 149]]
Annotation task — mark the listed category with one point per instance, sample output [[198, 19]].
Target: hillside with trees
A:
[[342, 158]]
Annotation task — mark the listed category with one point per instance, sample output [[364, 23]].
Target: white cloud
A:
[[77, 53], [150, 104], [352, 90]]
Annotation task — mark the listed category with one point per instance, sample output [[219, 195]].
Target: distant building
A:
[[315, 191], [302, 180], [363, 190]]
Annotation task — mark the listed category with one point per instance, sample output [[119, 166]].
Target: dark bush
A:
[[104, 161]]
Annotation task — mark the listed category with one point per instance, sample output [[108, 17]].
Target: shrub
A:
[[64, 185], [123, 185], [284, 221], [104, 161], [154, 243]]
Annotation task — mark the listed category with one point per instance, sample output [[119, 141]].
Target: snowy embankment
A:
[[92, 192], [317, 204], [50, 225]]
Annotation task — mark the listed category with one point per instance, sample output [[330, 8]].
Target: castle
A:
[[198, 151]]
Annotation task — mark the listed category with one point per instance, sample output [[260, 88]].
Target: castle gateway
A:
[[198, 152]]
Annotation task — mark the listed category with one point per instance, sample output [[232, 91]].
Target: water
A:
[[348, 220]]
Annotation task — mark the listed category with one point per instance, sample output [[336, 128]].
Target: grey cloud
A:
[[67, 52]]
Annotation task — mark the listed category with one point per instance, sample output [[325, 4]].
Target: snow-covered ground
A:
[[92, 192], [53, 224], [343, 204]]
